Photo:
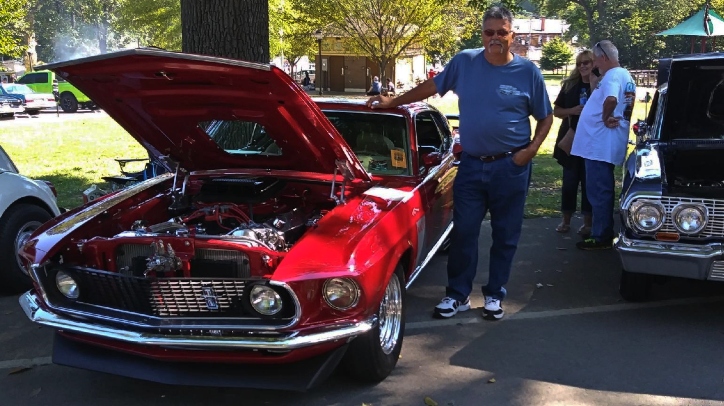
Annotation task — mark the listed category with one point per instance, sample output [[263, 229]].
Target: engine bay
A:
[[220, 228], [691, 170]]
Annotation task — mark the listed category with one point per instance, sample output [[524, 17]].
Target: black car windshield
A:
[[380, 141], [695, 102]]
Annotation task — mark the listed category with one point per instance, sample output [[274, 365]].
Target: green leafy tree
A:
[[152, 22], [555, 55], [12, 22], [380, 29]]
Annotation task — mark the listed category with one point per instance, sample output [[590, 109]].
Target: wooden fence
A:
[[644, 78]]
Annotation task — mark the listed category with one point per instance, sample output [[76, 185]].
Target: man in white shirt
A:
[[602, 138]]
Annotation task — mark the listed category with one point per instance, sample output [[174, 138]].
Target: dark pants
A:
[[574, 173], [499, 187], [600, 186]]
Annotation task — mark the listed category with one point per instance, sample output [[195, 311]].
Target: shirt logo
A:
[[509, 90]]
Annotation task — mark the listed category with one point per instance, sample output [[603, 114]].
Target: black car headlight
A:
[[67, 285], [265, 300], [690, 219], [647, 215]]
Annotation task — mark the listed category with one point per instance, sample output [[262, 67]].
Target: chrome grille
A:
[[717, 271], [167, 297], [125, 253], [714, 227], [175, 297]]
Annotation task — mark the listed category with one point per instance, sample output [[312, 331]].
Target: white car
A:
[[32, 102], [25, 204]]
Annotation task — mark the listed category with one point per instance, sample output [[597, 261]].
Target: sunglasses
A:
[[598, 45], [501, 33], [583, 63]]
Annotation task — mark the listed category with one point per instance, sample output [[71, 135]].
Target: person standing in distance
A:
[[497, 92], [601, 140]]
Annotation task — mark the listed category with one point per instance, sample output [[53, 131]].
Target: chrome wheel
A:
[[22, 237], [390, 315]]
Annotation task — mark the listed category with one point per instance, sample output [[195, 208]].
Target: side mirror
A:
[[431, 159]]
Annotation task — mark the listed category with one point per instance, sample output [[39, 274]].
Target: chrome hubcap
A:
[[390, 316], [23, 235]]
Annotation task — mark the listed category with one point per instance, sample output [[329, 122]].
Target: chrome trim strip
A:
[[677, 249], [31, 306], [429, 256]]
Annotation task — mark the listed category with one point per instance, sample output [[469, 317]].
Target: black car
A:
[[672, 203]]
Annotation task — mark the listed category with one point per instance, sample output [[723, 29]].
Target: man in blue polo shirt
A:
[[497, 92]]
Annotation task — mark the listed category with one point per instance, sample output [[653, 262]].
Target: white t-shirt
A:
[[593, 139]]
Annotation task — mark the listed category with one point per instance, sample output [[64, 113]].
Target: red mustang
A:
[[280, 243]]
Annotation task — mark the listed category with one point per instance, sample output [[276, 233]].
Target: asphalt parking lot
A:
[[567, 339]]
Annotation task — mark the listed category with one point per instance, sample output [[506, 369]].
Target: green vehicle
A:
[[69, 98]]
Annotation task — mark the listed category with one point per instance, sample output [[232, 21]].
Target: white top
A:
[[593, 139]]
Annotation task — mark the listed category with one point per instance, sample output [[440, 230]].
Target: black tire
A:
[[16, 225], [68, 102], [33, 112], [367, 359], [635, 287]]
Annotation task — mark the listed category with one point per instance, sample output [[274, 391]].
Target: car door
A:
[[435, 166]]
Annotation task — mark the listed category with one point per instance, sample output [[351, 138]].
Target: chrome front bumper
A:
[[31, 305], [677, 259]]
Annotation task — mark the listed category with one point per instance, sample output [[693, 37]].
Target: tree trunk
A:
[[226, 28]]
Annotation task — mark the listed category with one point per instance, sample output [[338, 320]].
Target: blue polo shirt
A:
[[495, 102]]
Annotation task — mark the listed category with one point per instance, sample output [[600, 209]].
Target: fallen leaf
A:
[[429, 401], [539, 285], [18, 370], [538, 271], [549, 285], [561, 248], [491, 380], [34, 392]]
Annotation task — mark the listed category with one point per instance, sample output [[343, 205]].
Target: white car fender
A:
[[14, 187]]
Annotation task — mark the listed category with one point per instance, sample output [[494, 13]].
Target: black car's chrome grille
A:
[[164, 297], [714, 227]]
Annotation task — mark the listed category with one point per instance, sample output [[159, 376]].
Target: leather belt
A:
[[491, 158]]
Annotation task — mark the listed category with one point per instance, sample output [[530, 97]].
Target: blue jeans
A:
[[600, 186], [499, 187]]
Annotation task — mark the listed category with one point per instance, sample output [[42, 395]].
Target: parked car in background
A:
[[25, 204], [10, 105], [279, 245], [69, 97], [672, 203], [32, 102]]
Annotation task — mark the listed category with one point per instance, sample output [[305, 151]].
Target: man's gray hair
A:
[[499, 13], [606, 48]]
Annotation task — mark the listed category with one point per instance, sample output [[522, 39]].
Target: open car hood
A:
[[170, 102]]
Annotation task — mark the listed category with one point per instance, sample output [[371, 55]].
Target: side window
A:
[[445, 129], [659, 120], [429, 138], [32, 78]]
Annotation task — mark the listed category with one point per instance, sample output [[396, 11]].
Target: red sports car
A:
[[279, 245]]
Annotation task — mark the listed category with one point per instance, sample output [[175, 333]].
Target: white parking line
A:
[[562, 312], [25, 363], [40, 361]]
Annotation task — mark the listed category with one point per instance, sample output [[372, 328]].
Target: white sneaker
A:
[[449, 307], [493, 310]]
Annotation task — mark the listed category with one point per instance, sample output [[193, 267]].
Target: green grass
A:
[[76, 153], [71, 153]]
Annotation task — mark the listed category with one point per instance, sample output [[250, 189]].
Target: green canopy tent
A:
[[706, 23]]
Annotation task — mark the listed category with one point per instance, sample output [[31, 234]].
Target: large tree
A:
[[12, 23], [151, 22], [228, 28], [381, 29]]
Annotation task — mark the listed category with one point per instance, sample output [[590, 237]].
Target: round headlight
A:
[[646, 216], [265, 300], [341, 293], [690, 219], [67, 285]]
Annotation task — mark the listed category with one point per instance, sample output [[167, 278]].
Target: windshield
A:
[[380, 141], [6, 165], [17, 89]]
